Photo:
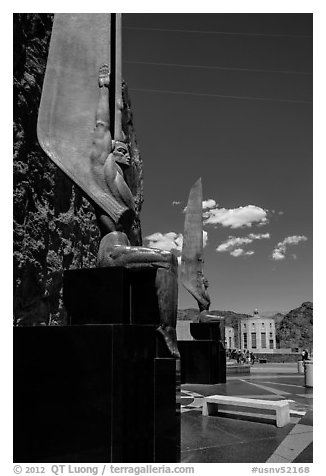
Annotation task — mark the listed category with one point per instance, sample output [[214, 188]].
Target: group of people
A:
[[248, 357], [242, 357]]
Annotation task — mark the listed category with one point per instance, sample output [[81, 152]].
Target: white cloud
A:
[[175, 203], [233, 243], [236, 217], [259, 236], [279, 251], [179, 241], [210, 203], [167, 241], [241, 252], [237, 252], [294, 240], [278, 255]]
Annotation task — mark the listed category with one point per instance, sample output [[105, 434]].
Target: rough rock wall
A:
[[54, 225], [296, 328]]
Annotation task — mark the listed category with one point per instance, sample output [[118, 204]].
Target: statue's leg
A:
[[115, 250], [199, 293], [167, 295]]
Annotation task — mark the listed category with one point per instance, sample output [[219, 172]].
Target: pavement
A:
[[234, 438]]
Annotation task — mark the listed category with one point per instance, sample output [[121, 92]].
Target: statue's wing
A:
[[192, 248], [80, 44]]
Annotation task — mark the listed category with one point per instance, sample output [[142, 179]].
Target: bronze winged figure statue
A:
[[80, 128], [192, 262]]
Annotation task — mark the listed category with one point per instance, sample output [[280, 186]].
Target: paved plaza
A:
[[244, 439]]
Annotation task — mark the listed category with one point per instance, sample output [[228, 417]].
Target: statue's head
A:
[[121, 152]]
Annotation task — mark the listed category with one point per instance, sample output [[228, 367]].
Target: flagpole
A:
[[118, 134]]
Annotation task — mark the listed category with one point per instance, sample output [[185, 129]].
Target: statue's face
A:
[[121, 153]]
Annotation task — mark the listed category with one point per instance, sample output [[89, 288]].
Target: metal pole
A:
[[118, 134]]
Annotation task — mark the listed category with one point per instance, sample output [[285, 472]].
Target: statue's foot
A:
[[108, 254], [104, 76], [170, 337], [205, 316]]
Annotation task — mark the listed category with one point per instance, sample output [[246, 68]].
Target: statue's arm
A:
[[102, 140], [116, 183]]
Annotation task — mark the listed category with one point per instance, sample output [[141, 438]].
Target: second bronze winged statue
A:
[[192, 261]]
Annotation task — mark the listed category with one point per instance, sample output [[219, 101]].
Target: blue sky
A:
[[228, 98]]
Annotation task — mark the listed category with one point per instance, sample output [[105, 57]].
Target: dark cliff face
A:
[[296, 328], [54, 224]]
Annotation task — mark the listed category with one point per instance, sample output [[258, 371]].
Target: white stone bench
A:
[[281, 408]]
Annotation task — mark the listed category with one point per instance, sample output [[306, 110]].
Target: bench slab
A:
[[281, 407]]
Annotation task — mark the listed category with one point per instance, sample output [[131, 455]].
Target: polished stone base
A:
[[93, 394], [206, 331], [111, 296], [96, 392], [202, 362]]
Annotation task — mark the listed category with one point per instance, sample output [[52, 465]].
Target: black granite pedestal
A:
[[203, 360], [102, 389]]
